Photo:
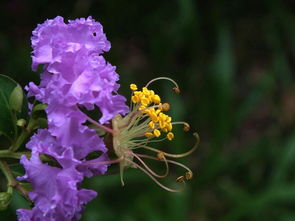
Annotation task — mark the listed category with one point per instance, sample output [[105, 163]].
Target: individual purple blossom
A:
[[56, 194], [74, 70], [54, 41]]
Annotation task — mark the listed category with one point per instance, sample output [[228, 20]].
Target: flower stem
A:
[[23, 136], [11, 182], [10, 154]]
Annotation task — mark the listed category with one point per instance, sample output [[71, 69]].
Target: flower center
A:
[[146, 123]]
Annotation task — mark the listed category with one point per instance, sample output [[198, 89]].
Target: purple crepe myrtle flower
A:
[[56, 194], [75, 75], [74, 70], [54, 41]]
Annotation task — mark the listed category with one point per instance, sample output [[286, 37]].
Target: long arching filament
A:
[[196, 135], [153, 178], [149, 169]]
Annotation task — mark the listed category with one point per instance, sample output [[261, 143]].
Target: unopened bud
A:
[[21, 122]]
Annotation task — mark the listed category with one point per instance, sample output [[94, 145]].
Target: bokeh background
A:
[[234, 62]]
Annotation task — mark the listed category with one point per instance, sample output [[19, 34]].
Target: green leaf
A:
[[5, 199], [16, 99], [7, 85], [11, 102]]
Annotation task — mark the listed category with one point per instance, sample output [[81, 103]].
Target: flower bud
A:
[[21, 122]]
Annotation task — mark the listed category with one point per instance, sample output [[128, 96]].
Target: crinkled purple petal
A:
[[53, 38], [56, 194]]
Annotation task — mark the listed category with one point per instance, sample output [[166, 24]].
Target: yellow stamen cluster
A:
[[135, 130], [146, 99]]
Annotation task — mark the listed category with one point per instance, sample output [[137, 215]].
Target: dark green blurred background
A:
[[234, 61]]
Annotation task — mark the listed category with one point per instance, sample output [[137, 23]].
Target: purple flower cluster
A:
[[74, 75]]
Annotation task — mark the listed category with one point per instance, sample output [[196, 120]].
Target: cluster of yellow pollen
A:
[[146, 120], [150, 104]]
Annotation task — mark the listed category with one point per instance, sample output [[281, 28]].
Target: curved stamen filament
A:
[[153, 178], [106, 129], [177, 155], [149, 169], [162, 78], [109, 162], [186, 126], [168, 161], [180, 122]]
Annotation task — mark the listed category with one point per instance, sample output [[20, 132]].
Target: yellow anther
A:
[[135, 99], [133, 87], [170, 136], [186, 127], [165, 107], [137, 93], [149, 134], [142, 107], [162, 116], [152, 110], [157, 133], [180, 179], [145, 101], [156, 99], [161, 156], [188, 175], [153, 117], [151, 125], [176, 90], [145, 91], [169, 127], [158, 111]]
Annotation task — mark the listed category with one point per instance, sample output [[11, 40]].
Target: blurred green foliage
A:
[[234, 62]]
